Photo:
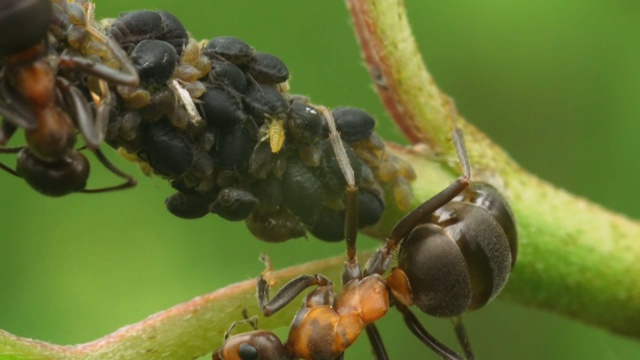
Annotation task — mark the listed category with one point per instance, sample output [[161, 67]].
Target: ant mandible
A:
[[48, 106], [456, 251]]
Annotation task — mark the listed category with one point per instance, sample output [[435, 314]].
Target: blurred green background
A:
[[556, 84]]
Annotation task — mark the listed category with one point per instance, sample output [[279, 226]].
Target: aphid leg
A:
[[461, 335], [423, 335], [419, 214], [377, 346], [292, 289]]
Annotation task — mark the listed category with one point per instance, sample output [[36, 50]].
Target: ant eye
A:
[[247, 352]]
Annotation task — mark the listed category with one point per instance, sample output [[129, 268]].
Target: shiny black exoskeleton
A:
[[168, 151], [267, 69], [229, 48], [248, 133], [133, 27], [221, 109], [154, 60]]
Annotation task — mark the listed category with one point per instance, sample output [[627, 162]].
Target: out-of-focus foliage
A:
[[555, 84]]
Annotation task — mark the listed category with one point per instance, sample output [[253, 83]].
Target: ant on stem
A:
[[455, 253]]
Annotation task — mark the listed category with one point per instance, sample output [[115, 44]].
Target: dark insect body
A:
[[215, 115]]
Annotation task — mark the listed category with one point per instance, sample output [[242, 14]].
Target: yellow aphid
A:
[[144, 166], [402, 194], [276, 135]]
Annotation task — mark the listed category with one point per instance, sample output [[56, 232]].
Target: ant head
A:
[[29, 19], [253, 345]]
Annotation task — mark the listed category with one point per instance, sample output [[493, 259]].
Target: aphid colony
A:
[[216, 119]]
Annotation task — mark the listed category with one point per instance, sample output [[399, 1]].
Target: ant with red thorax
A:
[[455, 253], [46, 104]]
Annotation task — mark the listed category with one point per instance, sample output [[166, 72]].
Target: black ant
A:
[[48, 106], [455, 253]]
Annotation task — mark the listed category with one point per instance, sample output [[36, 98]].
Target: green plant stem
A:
[[576, 258]]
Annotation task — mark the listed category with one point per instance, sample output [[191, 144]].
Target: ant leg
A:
[[104, 103], [352, 269], [13, 109], [127, 75], [463, 339], [291, 290], [82, 113], [4, 167], [131, 182], [423, 335], [7, 129], [93, 137], [379, 352], [422, 212]]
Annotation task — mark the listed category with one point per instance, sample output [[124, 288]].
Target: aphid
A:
[[353, 124], [229, 48], [276, 134], [261, 161], [275, 227], [36, 98], [267, 69], [228, 76], [233, 148], [265, 102], [220, 109], [187, 206], [303, 195], [133, 27], [154, 61], [456, 251], [330, 167], [168, 151], [234, 204], [305, 123]]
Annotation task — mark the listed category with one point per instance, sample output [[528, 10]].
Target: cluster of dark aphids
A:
[[237, 144], [216, 119]]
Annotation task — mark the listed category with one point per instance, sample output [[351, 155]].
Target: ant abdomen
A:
[[62, 177], [462, 258]]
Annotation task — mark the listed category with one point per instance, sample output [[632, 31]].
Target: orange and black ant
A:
[[48, 106], [455, 253]]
